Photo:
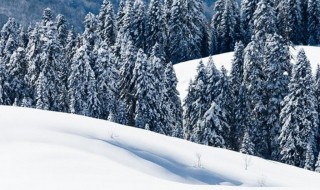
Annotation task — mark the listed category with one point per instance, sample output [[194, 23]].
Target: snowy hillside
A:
[[187, 70], [47, 150]]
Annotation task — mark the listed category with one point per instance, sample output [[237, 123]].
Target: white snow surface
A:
[[43, 150], [187, 70]]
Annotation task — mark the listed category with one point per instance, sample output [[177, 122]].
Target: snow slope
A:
[[187, 70], [43, 150]]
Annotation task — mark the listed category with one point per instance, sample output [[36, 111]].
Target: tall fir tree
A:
[[248, 7], [226, 24], [139, 25], [299, 118], [106, 23], [289, 20], [178, 33], [313, 26], [155, 25]]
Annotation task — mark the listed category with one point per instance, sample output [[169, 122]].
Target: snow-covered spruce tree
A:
[[195, 104], [247, 146], [246, 18], [33, 51], [277, 68], [120, 14], [126, 86], [289, 20], [139, 25], [213, 77], [299, 118], [224, 100], [179, 35], [62, 29], [90, 35], [107, 81], [10, 39], [197, 25], [255, 89], [236, 79], [149, 96], [226, 24], [2, 82], [313, 16], [70, 48], [42, 93], [107, 23], [17, 88], [155, 25], [266, 61], [173, 101], [82, 90]]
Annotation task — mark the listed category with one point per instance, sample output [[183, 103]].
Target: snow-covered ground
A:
[[187, 70], [42, 150]]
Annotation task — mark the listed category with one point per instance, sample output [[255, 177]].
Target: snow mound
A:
[[186, 71], [47, 150]]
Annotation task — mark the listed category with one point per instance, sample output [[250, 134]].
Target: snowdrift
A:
[[43, 150]]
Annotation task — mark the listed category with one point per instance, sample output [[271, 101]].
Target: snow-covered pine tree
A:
[[107, 81], [277, 68], [149, 94], [90, 35], [82, 90], [197, 24], [62, 29], [247, 146], [178, 33], [125, 86], [120, 14], [253, 82], [299, 117], [313, 26], [317, 88], [17, 88], [195, 104], [107, 23], [236, 79], [155, 25], [139, 25], [289, 20], [246, 18], [167, 10], [42, 93], [33, 51], [173, 101], [226, 24]]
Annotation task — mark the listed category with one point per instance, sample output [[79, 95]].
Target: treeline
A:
[[267, 106]]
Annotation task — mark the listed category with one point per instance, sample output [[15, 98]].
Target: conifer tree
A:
[[178, 33], [62, 29], [226, 23], [247, 146], [42, 94], [313, 29], [82, 90], [155, 25], [197, 25], [236, 79], [248, 7], [139, 25], [195, 104], [299, 117], [289, 20], [107, 23], [17, 88]]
